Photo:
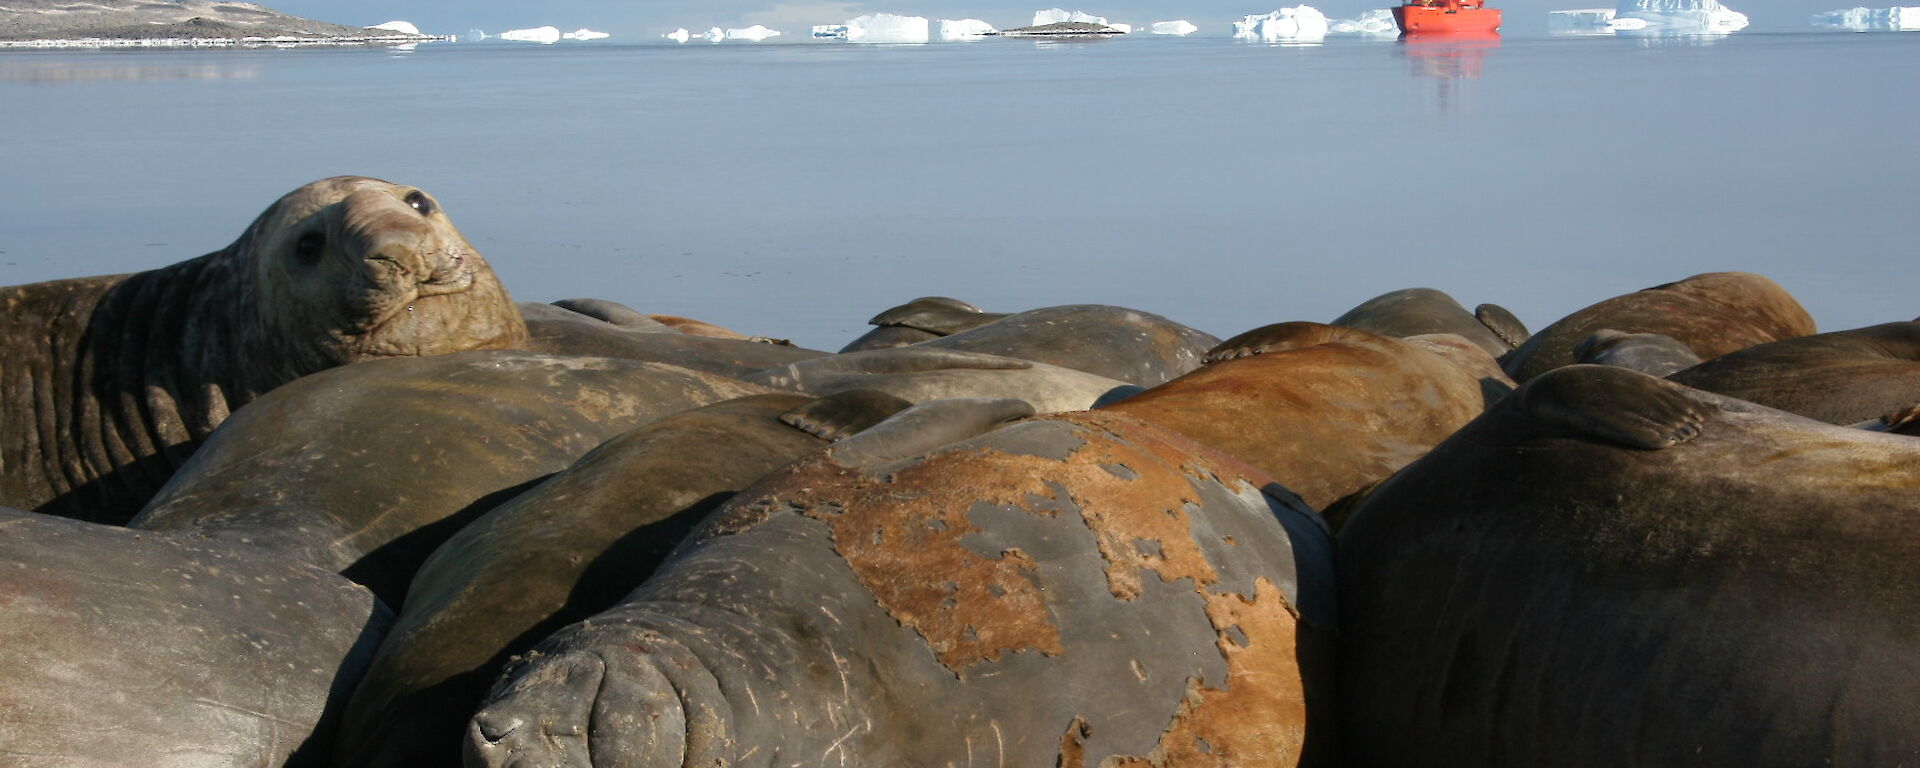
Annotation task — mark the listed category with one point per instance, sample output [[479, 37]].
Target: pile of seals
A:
[[328, 496]]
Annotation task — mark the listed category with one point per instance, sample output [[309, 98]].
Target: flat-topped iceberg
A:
[[402, 27], [1376, 23], [964, 29], [541, 35], [585, 34], [1895, 19], [887, 28], [1301, 23], [753, 34], [1683, 17], [1059, 15], [1178, 27]]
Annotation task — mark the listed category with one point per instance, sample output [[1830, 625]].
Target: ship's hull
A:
[[1425, 20]]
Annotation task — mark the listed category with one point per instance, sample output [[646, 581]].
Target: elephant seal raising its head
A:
[[1078, 590], [1711, 314], [1610, 569], [108, 383]]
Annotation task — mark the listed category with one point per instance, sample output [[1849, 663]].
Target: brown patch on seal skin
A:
[[692, 327], [1323, 409], [1712, 314], [111, 382], [1129, 494], [1240, 724]]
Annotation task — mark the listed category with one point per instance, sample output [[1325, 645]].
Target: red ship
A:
[[1444, 17]]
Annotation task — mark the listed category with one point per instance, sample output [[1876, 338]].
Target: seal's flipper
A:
[[937, 315], [1613, 404], [1905, 421], [925, 427], [1503, 324], [838, 416], [1281, 337]]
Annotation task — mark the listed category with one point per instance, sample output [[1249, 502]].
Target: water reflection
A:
[[61, 72], [1448, 58]]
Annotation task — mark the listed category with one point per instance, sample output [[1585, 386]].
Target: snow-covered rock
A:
[[1301, 23], [1058, 15], [402, 27], [1375, 23], [1684, 17], [755, 33], [1895, 19], [542, 35], [888, 28], [680, 35], [964, 29], [1180, 27], [585, 34]]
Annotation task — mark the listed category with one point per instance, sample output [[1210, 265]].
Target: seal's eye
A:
[[420, 202], [309, 247]]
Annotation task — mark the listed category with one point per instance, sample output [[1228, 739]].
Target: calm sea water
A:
[[794, 190]]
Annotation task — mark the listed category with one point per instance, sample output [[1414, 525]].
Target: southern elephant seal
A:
[[1077, 590], [126, 648], [1324, 409], [1610, 569], [609, 311], [1422, 311], [558, 331], [365, 469], [923, 319], [919, 374], [1136, 347], [110, 382], [1712, 314], [1840, 378], [1649, 353], [566, 549]]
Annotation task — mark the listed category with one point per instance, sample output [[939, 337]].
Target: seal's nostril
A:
[[494, 728]]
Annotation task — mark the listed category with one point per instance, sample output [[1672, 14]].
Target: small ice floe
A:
[[1376, 23], [585, 34], [1299, 24], [1591, 21], [680, 35], [541, 35], [1895, 19], [887, 28], [753, 34], [1681, 17], [715, 34], [1062, 16], [402, 27], [964, 29], [1179, 27]]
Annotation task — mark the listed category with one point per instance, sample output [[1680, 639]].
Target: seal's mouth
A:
[[451, 272]]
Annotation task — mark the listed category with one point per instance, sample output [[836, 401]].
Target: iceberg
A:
[[1302, 23], [402, 27], [1895, 19], [1590, 21], [1377, 23], [1057, 15], [715, 34], [585, 34], [1682, 17], [679, 35], [755, 33], [964, 29], [1181, 27], [888, 28], [541, 35]]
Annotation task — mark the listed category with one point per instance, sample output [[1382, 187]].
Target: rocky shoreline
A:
[[187, 24]]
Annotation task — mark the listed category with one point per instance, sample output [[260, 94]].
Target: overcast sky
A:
[[630, 19]]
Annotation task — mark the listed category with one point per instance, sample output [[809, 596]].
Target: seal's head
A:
[[352, 268]]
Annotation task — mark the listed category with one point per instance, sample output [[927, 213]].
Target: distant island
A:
[[183, 23]]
